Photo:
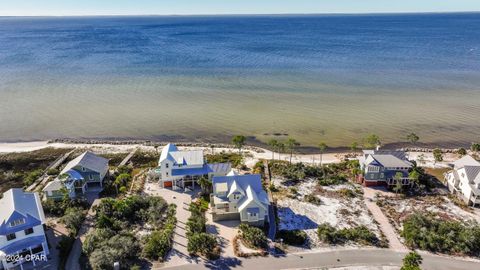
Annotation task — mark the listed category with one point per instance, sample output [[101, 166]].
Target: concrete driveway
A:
[[224, 231], [178, 255]]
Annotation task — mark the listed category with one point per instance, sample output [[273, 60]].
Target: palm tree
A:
[[280, 148], [205, 184], [212, 146], [291, 144], [273, 144], [354, 147], [398, 182], [322, 147], [239, 142]]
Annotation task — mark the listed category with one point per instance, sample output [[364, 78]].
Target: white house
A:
[[239, 197], [380, 167], [22, 237], [464, 179], [86, 170], [183, 168]]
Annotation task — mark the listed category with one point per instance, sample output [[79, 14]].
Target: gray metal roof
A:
[[466, 161], [90, 161], [391, 161]]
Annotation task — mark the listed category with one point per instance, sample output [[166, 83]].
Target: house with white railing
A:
[[382, 167], [240, 197], [464, 180], [22, 235], [181, 169]]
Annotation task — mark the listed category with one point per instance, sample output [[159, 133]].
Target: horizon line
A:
[[248, 14]]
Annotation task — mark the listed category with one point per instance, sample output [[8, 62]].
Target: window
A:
[[37, 249], [17, 222], [11, 236], [28, 231], [90, 176], [166, 165], [83, 169], [167, 174]]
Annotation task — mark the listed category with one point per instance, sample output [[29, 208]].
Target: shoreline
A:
[[252, 144], [254, 153]]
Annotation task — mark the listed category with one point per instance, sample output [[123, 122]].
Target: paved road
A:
[[338, 258]]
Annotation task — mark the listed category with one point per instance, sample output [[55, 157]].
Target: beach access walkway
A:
[[42, 180], [387, 228]]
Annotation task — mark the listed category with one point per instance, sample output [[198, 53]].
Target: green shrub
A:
[[310, 198], [234, 158], [447, 236], [122, 248], [412, 261], [359, 234], [53, 171], [332, 180], [73, 219], [327, 233], [202, 244], [293, 237], [253, 237], [159, 243], [31, 177]]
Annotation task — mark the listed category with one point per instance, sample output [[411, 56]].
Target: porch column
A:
[[33, 260]]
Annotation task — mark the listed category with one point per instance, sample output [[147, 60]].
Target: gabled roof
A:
[[388, 161], [399, 154], [90, 161], [236, 188], [251, 197], [473, 174], [251, 184], [171, 153], [17, 204], [466, 161]]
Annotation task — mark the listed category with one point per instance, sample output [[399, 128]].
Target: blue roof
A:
[[206, 169], [192, 171], [22, 244], [74, 175], [252, 180]]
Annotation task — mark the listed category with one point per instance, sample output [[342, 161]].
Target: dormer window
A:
[[17, 222]]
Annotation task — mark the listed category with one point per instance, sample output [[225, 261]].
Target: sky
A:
[[202, 7]]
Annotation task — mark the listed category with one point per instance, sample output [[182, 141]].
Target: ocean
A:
[[318, 78]]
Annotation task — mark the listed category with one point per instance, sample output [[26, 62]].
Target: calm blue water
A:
[[56, 59]]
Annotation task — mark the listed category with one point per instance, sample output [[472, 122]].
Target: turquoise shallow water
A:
[[315, 78]]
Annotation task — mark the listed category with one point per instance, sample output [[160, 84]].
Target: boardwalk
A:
[[42, 180], [128, 157]]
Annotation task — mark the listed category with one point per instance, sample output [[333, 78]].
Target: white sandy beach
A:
[[251, 159]]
